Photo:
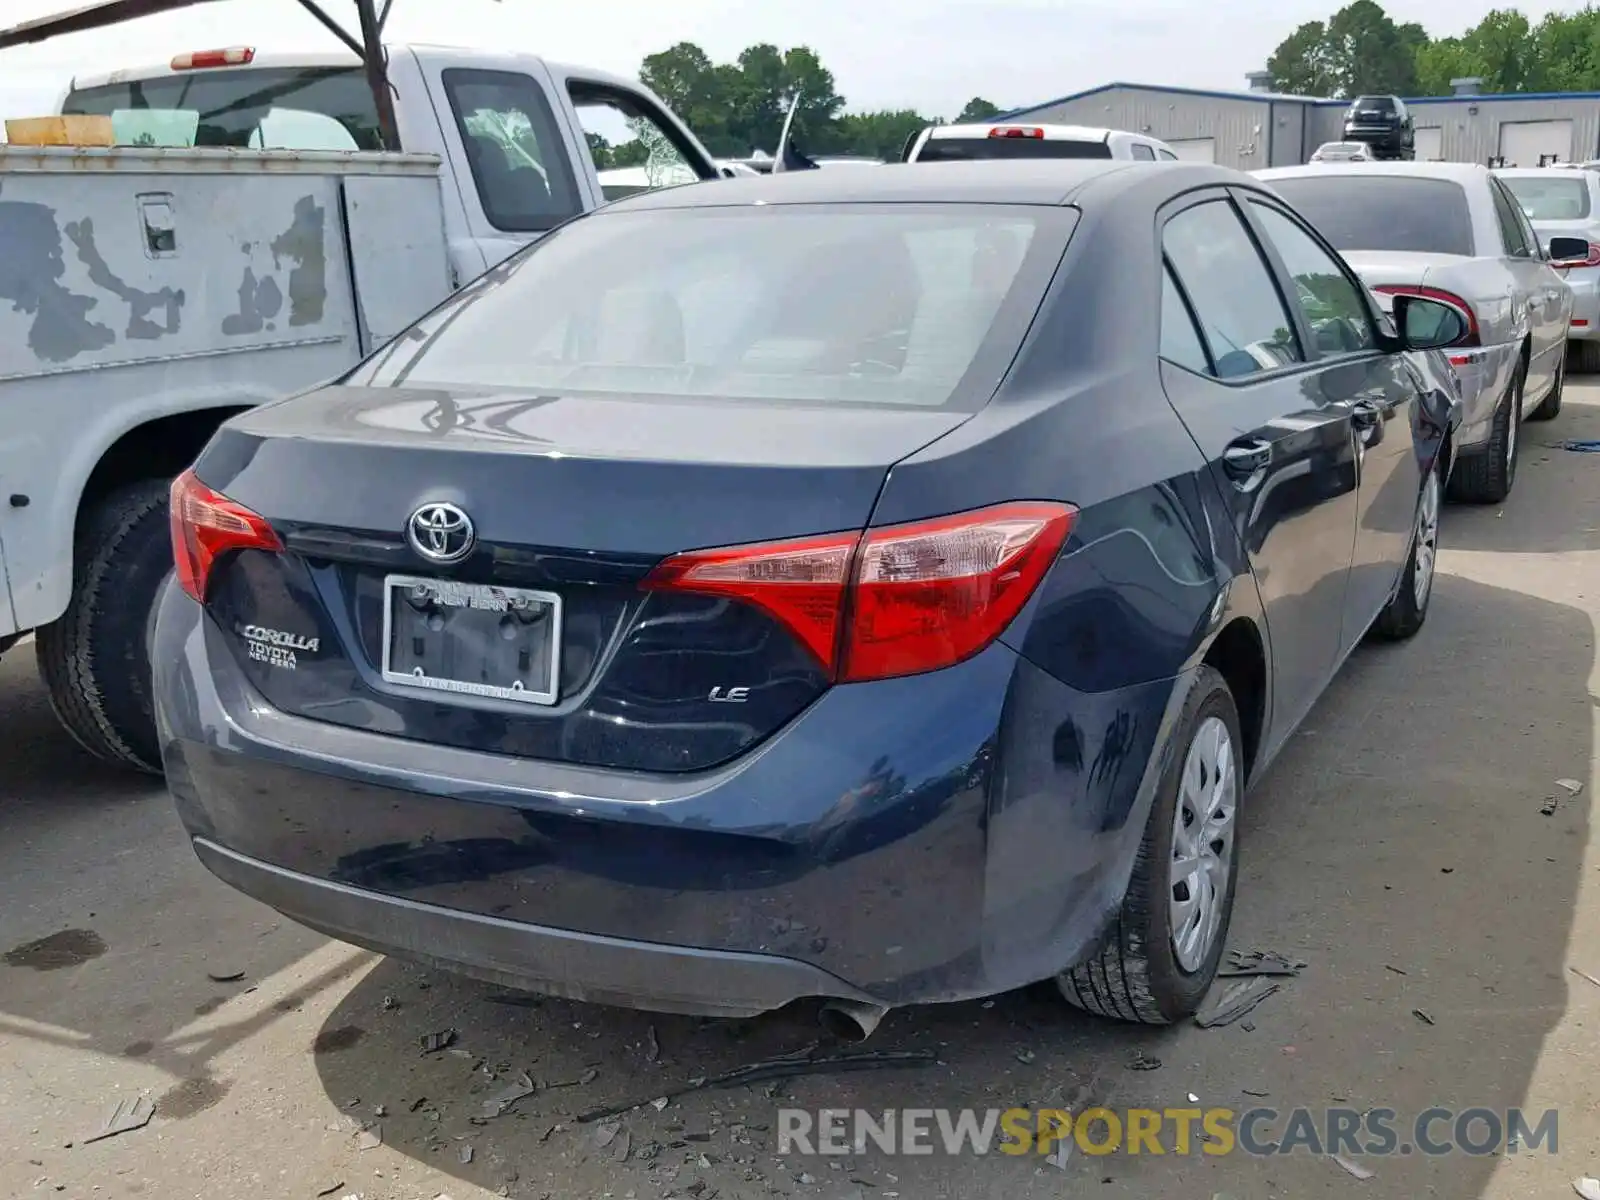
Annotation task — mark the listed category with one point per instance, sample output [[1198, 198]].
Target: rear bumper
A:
[[1585, 285], [936, 838]]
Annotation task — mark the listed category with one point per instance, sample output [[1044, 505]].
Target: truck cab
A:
[[517, 134]]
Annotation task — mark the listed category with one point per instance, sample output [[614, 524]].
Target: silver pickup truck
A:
[[252, 244]]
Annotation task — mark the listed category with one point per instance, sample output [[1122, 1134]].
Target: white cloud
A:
[[926, 54]]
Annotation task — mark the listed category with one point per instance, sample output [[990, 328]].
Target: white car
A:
[[962, 143], [1342, 152]]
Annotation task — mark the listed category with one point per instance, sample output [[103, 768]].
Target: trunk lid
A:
[[1378, 268], [572, 499]]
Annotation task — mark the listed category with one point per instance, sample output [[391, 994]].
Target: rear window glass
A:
[[892, 305], [1374, 212], [1373, 103], [966, 149], [288, 108], [1552, 198]]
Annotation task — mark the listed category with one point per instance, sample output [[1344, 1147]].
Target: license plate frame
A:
[[447, 685]]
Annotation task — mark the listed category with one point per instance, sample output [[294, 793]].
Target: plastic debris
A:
[[1422, 1016], [1355, 1169], [1259, 962], [124, 1117], [432, 1043], [1587, 1187], [370, 1139], [465, 1155], [1235, 1001], [1580, 446], [330, 1190], [1025, 1056], [659, 1103], [1256, 1094], [1572, 785], [1584, 975], [507, 1096], [605, 1132], [224, 976], [623, 1145], [1143, 1062]]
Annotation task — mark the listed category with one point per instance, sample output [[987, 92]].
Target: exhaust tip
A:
[[850, 1020]]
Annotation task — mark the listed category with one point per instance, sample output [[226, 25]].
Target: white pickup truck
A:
[[252, 244]]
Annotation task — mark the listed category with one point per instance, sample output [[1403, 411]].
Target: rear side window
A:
[[1512, 232], [1374, 212], [965, 149], [1556, 198], [523, 176], [1141, 151], [1180, 340], [1168, 156], [1241, 315], [271, 108]]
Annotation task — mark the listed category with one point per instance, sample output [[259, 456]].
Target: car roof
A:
[[1541, 172], [1019, 181], [1065, 133], [1454, 172]]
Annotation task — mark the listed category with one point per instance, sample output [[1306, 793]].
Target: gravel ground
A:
[[1412, 847]]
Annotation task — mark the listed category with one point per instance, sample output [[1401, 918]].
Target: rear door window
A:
[[1242, 316], [1374, 212], [1141, 151], [514, 149], [632, 144]]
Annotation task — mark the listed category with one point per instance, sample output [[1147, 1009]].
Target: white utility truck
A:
[[250, 243]]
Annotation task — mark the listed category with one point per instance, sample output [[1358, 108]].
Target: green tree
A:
[[879, 134], [1358, 50], [978, 109]]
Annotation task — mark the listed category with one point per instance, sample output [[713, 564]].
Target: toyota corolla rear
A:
[[561, 643]]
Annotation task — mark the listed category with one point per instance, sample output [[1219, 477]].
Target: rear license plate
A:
[[472, 639]]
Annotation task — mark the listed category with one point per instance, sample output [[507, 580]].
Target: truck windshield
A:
[[266, 108]]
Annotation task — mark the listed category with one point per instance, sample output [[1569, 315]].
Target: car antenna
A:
[[788, 156]]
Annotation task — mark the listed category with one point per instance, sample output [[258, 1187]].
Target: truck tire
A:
[[95, 660]]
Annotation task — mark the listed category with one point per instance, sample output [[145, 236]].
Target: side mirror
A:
[[1569, 252], [1428, 324]]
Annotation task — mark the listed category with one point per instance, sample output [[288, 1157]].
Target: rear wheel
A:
[[1161, 954], [95, 660], [1486, 477], [1551, 404]]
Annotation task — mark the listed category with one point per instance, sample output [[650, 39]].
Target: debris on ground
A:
[[124, 1117], [224, 976], [1584, 975], [379, 1110], [1259, 962], [442, 1039], [1143, 1062], [507, 1096], [1572, 785], [777, 1068], [659, 1103], [389, 1004], [1587, 1187], [465, 1155], [1355, 1169], [623, 1144], [370, 1139], [1026, 1056], [1256, 1094], [1422, 1016], [1548, 808], [1391, 967], [652, 1046], [1235, 1001], [330, 1189]]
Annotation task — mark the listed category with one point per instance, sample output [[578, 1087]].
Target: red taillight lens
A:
[[205, 526], [898, 600], [199, 60], [1443, 297], [1013, 131]]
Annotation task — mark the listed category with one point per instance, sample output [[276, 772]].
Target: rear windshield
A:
[[966, 149], [879, 305], [292, 108], [1379, 103], [1550, 197], [1374, 212]]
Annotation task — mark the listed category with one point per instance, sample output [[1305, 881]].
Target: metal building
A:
[[1261, 128]]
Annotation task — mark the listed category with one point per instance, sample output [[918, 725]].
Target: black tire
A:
[[1550, 406], [1135, 974], [1406, 611], [1487, 477], [1584, 356], [95, 660]]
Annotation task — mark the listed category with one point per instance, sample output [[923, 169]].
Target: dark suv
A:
[[1384, 123]]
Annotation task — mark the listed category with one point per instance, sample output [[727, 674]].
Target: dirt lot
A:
[[1401, 848]]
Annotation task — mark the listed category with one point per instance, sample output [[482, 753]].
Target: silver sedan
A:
[[1452, 232]]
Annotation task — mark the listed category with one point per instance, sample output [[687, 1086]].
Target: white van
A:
[[962, 143]]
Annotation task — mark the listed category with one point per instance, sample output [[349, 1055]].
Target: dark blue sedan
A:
[[874, 586]]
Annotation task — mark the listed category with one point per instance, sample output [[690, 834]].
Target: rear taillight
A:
[[205, 526], [1470, 338], [1015, 131], [897, 600], [201, 60]]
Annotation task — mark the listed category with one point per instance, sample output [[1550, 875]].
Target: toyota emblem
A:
[[441, 533]]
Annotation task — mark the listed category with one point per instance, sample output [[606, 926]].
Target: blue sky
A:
[[926, 54]]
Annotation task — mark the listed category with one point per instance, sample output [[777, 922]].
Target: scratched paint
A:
[[140, 303], [32, 267], [303, 244]]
